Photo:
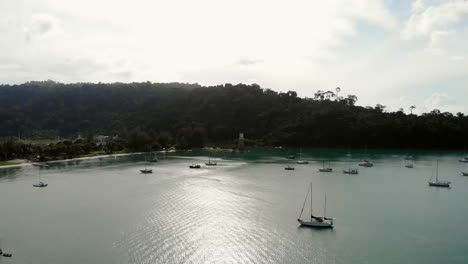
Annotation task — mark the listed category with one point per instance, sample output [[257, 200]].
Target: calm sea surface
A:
[[242, 211]]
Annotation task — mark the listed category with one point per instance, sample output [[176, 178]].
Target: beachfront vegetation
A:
[[7, 163]]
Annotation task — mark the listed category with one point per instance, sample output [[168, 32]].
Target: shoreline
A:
[[27, 163]]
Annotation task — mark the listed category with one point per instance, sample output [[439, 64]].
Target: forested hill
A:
[[190, 114]]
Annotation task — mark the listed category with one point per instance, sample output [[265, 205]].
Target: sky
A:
[[392, 52]]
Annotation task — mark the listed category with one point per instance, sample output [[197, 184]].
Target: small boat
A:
[[8, 255], [146, 171], [291, 157], [211, 163], [289, 168], [315, 221], [366, 163], [465, 159], [194, 166], [438, 183], [328, 169], [464, 173], [40, 184], [351, 171], [409, 163]]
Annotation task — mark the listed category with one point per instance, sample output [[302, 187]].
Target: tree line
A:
[[149, 116]]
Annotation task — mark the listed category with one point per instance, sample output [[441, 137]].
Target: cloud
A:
[[424, 22], [443, 102], [40, 25], [247, 62], [417, 6]]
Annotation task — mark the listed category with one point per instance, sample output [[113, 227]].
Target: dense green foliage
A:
[[149, 116]]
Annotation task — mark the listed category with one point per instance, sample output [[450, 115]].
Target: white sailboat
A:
[[315, 221], [438, 183], [301, 161]]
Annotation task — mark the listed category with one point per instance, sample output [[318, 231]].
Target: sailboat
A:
[[409, 164], [366, 163], [154, 159], [328, 169], [211, 163], [301, 161], [40, 183], [438, 183], [465, 159], [464, 173], [289, 168], [315, 221]]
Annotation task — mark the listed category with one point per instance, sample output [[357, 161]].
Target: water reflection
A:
[[9, 173]]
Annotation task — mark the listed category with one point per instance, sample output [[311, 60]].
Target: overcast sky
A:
[[393, 52]]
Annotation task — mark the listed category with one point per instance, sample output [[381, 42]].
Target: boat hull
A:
[[302, 162], [326, 170], [440, 184], [40, 185], [465, 173], [315, 224], [350, 172]]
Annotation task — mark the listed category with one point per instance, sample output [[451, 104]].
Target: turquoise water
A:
[[242, 211]]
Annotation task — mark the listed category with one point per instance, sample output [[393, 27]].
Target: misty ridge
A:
[[216, 114]]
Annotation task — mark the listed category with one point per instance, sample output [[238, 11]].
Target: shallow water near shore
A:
[[242, 211]]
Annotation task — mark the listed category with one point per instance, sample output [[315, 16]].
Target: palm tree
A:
[[411, 108]]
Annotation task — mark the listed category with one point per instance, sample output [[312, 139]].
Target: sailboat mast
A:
[[311, 201], [437, 171], [325, 207], [303, 205]]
